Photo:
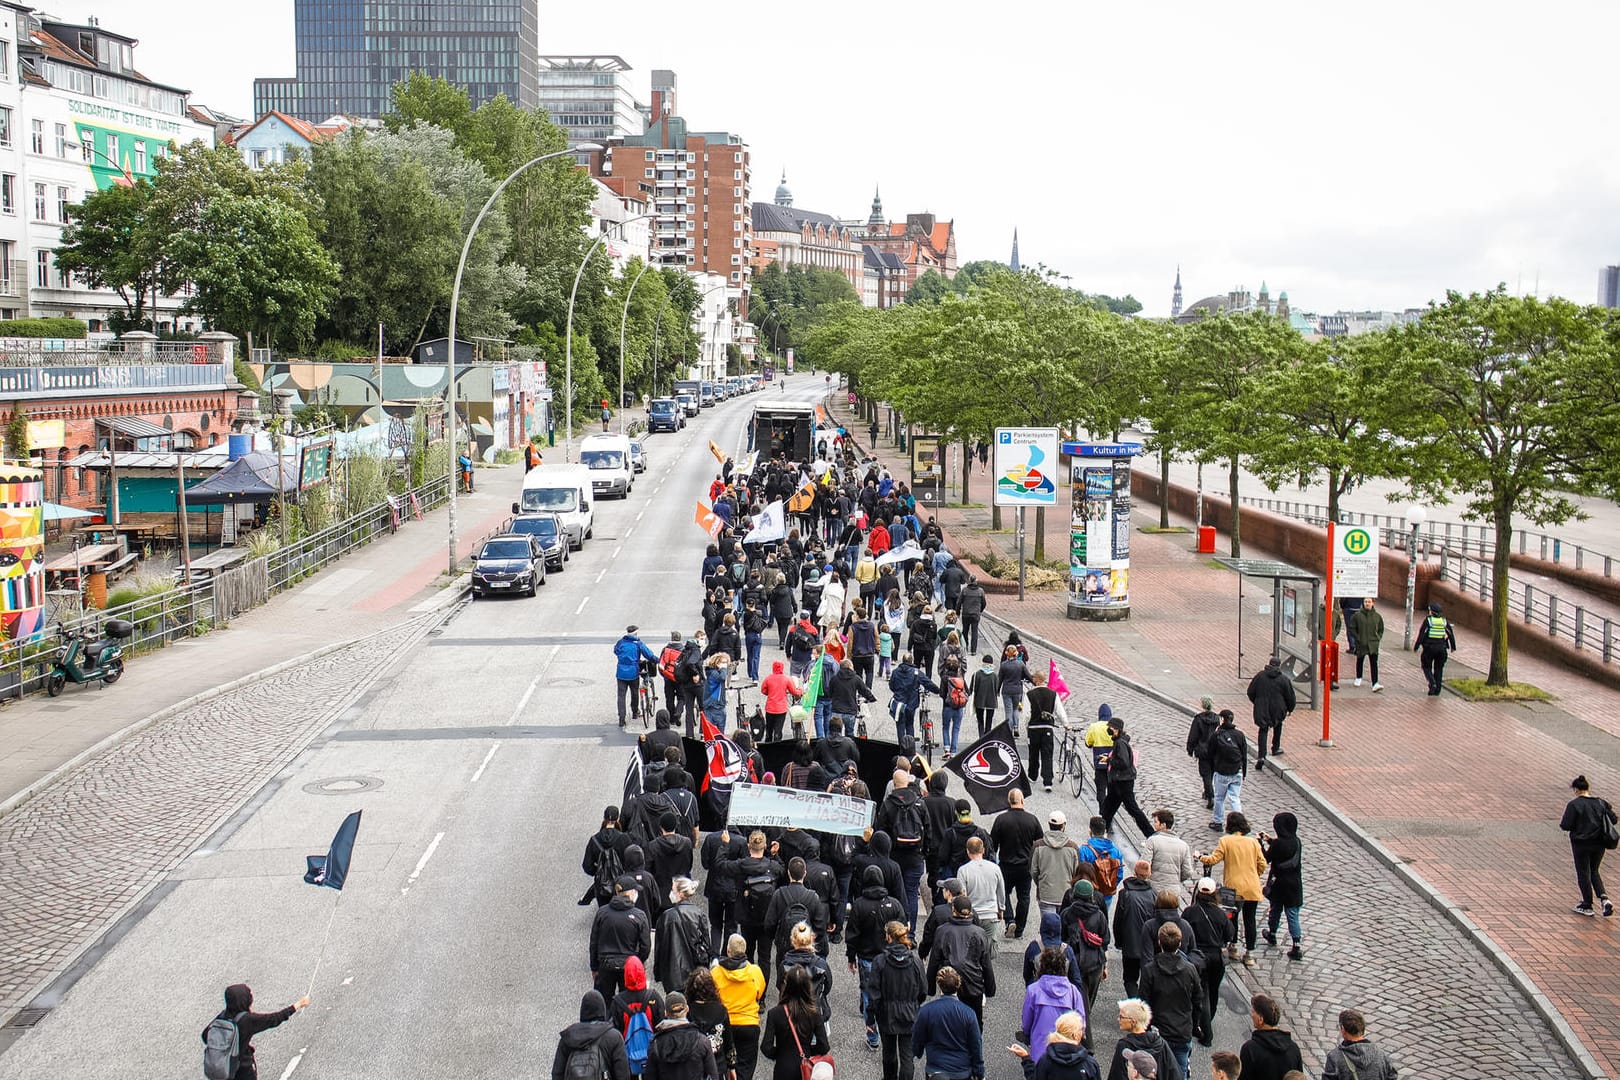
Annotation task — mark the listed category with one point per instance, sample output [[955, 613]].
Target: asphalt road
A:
[[456, 949]]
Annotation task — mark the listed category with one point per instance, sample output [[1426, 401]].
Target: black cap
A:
[[632, 628], [1434, 609]]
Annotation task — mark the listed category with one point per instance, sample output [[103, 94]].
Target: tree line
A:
[[309, 256], [1509, 404]]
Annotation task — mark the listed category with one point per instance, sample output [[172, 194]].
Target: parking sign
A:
[[1026, 466]]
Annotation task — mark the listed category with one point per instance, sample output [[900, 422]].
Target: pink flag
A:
[[1054, 679]]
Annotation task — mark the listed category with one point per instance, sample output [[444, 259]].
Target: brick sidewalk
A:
[[1493, 848]]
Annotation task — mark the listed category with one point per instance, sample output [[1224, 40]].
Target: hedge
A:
[[43, 328]]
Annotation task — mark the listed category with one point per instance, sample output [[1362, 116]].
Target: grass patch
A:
[[1477, 690], [1156, 530]]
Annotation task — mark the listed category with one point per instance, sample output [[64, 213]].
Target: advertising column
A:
[[1100, 529]]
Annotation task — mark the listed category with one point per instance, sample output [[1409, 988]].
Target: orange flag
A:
[[707, 520], [801, 500], [719, 454]]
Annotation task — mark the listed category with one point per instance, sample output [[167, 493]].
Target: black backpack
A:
[[609, 866], [585, 1063], [1226, 749], [651, 806], [910, 823], [757, 890]]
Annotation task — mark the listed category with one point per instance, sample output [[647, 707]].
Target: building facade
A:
[[85, 119], [1609, 287], [589, 97], [275, 138], [350, 53], [922, 242], [623, 220], [806, 238]]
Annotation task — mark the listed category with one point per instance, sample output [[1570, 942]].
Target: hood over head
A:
[[592, 1007], [239, 997], [1105, 713], [776, 667], [1066, 1053], [634, 858], [1051, 928], [635, 974], [1286, 824], [938, 782], [881, 844], [872, 875]]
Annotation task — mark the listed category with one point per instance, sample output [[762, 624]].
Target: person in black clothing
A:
[[800, 951], [593, 1029], [1173, 990], [620, 930], [1270, 1053], [688, 681], [1588, 820], [1012, 839], [239, 1009], [781, 916], [671, 853], [720, 884], [941, 811], [1122, 780], [898, 989], [837, 749], [1213, 933], [1202, 728], [1272, 692], [1287, 893], [1045, 712], [949, 890], [961, 944], [756, 876], [902, 816], [795, 1029], [1436, 640], [608, 837], [648, 898], [864, 938], [878, 847], [679, 1050], [707, 1013], [656, 742]]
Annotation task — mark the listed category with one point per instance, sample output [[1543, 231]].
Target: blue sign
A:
[[1102, 450]]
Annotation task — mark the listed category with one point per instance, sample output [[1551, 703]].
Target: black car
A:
[[508, 564], [664, 414], [546, 531]]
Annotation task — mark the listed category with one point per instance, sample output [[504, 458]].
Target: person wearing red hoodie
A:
[[877, 541], [776, 687], [636, 997]]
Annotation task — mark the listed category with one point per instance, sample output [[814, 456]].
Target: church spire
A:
[[1014, 264], [1175, 296], [875, 220], [784, 194]]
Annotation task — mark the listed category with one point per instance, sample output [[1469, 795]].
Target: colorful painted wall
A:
[[22, 552]]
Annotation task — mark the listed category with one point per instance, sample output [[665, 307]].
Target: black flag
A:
[[990, 768]]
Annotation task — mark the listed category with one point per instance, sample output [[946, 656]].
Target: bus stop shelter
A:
[[1289, 600]]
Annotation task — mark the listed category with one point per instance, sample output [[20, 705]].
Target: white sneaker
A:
[[1357, 682], [1377, 686]]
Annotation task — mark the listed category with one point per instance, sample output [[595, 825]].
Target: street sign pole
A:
[[1326, 635], [1021, 554]]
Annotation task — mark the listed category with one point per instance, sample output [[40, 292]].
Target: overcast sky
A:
[[1368, 154]]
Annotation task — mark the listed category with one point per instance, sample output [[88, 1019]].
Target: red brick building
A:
[[922, 242]]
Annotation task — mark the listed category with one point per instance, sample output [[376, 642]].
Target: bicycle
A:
[[645, 696], [927, 724], [1071, 760]]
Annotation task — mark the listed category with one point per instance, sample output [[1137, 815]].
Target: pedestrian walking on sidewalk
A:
[[1366, 634], [1436, 640], [1199, 733], [872, 432], [1272, 692], [1243, 863], [1590, 822]]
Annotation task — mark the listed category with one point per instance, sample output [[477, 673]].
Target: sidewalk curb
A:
[[135, 727], [1372, 845]]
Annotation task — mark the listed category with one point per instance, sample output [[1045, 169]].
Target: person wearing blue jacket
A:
[[946, 1035], [907, 684], [631, 651]]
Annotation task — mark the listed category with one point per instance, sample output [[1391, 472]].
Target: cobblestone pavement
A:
[[1467, 794], [73, 859]]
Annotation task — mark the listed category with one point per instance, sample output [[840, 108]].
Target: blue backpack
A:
[[638, 1034]]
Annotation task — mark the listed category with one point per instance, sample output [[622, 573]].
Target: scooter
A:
[[85, 663]]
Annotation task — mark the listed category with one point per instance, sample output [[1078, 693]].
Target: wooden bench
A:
[[120, 567]]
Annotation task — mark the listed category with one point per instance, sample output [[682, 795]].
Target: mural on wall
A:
[[22, 552]]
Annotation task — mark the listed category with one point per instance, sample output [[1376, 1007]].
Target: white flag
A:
[[769, 525]]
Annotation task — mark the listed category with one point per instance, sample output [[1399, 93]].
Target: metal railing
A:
[[190, 611], [1537, 607], [1463, 536], [57, 352]]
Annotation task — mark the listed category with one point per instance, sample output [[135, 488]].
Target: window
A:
[[8, 193], [736, 242], [5, 126], [61, 140], [736, 275], [87, 147], [112, 151], [39, 136], [649, 155], [62, 200], [259, 158], [649, 177], [736, 159], [5, 58], [140, 157], [42, 269], [736, 174], [39, 203]]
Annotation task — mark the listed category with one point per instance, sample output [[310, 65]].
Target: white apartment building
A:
[[589, 97]]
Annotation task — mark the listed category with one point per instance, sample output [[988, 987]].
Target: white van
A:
[[564, 490], [607, 456]]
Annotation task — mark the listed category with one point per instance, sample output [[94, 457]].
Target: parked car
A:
[[688, 403], [508, 564], [638, 456], [665, 414], [547, 530]]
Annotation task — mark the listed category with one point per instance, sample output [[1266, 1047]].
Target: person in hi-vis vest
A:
[[1435, 640]]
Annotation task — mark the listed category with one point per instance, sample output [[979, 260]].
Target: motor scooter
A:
[[86, 663]]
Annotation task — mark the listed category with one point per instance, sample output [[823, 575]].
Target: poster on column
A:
[[1100, 536]]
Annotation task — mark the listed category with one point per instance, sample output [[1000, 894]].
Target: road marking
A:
[[617, 550], [599, 577], [485, 763], [422, 863], [641, 515], [534, 684], [293, 1064], [582, 604], [628, 531]]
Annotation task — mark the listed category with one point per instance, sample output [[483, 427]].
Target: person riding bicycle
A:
[[630, 651]]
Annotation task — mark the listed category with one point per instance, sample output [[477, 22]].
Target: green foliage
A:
[[245, 376], [333, 351], [17, 445], [58, 327], [929, 288], [789, 303], [106, 245]]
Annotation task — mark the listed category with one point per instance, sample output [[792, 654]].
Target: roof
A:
[[768, 217], [307, 131], [134, 427], [887, 260], [250, 478], [55, 48], [162, 461]]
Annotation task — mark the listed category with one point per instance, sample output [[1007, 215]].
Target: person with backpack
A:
[[865, 938], [1229, 765], [941, 811], [679, 1050], [799, 951], [604, 858], [740, 984], [636, 1011], [1135, 907], [1046, 712], [907, 684], [756, 875], [668, 657], [1122, 780], [961, 945], [592, 1049], [685, 940], [1054, 862], [620, 932], [1084, 926], [1590, 822], [689, 682], [228, 1038], [1169, 855], [1051, 937], [1170, 986], [1101, 744], [794, 1033], [986, 690], [954, 697], [902, 816], [1199, 733], [955, 843], [792, 904], [1105, 859], [898, 988]]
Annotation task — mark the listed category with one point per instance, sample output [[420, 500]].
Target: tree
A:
[[929, 288], [107, 244], [17, 445], [972, 274], [1511, 405], [432, 100]]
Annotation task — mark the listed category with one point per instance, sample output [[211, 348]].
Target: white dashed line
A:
[[582, 604], [641, 515], [293, 1064], [485, 763], [600, 576], [628, 531], [422, 863], [617, 550]]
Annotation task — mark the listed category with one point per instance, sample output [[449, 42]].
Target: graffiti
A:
[[22, 552]]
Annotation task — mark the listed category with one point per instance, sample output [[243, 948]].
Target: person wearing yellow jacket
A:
[[1243, 863], [741, 984]]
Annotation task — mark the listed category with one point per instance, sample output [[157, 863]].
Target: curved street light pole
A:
[[623, 320], [455, 302], [568, 340]]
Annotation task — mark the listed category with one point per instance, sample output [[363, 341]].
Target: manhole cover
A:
[[342, 785], [567, 680], [27, 1018]]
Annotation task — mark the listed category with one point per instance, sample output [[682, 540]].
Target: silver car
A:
[[638, 457]]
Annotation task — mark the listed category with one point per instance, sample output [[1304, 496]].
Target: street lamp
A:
[[568, 341], [1414, 518], [625, 318], [455, 302]]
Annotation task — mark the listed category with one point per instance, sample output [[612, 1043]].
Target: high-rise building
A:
[[589, 97], [350, 53], [1609, 287]]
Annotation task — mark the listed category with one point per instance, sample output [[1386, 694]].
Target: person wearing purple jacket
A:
[[1047, 998]]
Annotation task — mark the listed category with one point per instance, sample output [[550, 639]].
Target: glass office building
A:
[[351, 52]]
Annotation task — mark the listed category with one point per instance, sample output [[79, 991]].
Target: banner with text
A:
[[773, 807]]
